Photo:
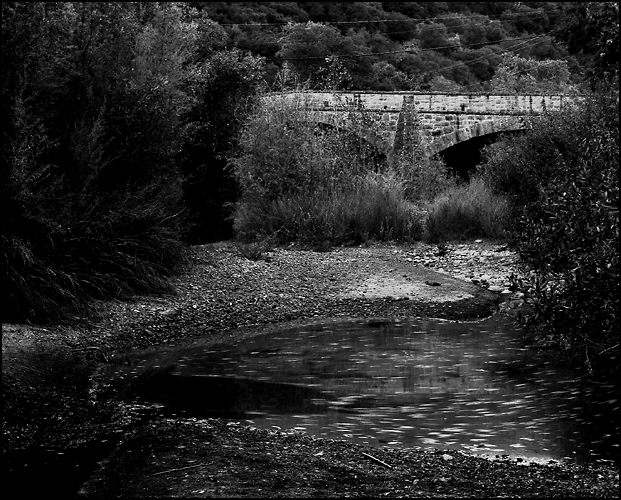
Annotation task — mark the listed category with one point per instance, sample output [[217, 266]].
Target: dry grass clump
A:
[[467, 211]]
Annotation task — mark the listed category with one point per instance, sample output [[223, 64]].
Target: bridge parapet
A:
[[432, 102], [445, 119]]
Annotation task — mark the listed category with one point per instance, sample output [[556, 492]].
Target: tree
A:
[[307, 48], [517, 75], [387, 77], [222, 89], [562, 177], [592, 29], [90, 198], [440, 84], [114, 114], [481, 62], [434, 36]]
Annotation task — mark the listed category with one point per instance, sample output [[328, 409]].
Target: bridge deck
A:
[[432, 102]]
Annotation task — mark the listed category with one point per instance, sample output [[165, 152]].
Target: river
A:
[[477, 387]]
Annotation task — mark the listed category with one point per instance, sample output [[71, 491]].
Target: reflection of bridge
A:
[[445, 119]]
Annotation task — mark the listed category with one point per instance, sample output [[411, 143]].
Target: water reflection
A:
[[466, 386]]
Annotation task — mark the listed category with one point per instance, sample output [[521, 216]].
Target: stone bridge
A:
[[444, 119]]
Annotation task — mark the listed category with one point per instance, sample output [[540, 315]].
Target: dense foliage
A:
[[397, 45], [318, 185], [110, 142], [562, 177]]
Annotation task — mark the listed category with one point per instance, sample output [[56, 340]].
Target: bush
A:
[[64, 242], [371, 207], [90, 195], [565, 195], [467, 211], [425, 177], [281, 152], [315, 184], [105, 137], [223, 88]]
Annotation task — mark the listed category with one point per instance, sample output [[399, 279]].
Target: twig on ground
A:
[[377, 460], [105, 356], [31, 369], [174, 470]]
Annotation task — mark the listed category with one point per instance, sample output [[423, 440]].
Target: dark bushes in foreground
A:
[[110, 147], [562, 177]]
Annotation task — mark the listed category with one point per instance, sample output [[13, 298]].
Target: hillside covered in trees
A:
[[384, 46]]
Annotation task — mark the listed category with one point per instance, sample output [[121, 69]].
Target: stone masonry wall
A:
[[446, 119], [465, 103]]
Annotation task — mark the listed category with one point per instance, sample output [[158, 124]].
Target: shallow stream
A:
[[470, 386]]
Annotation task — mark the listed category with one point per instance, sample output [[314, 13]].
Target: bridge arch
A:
[[444, 119], [486, 127], [462, 158]]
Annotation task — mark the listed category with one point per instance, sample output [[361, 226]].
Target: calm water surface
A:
[[473, 387]]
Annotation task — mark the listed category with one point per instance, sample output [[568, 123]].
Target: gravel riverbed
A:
[[224, 295]]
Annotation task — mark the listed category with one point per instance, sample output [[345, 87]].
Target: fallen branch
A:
[[105, 356], [31, 369], [377, 460], [174, 470]]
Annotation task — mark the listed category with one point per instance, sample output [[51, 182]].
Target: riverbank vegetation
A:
[[115, 116], [314, 184], [562, 180]]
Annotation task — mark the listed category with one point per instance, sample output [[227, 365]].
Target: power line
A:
[[439, 71], [517, 45], [413, 50], [408, 20]]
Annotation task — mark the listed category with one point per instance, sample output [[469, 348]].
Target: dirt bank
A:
[[224, 295]]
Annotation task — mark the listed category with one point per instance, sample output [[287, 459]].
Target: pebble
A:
[[485, 264]]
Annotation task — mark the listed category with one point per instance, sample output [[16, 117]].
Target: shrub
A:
[[424, 177], [223, 88], [521, 166], [292, 172], [56, 260], [104, 138], [467, 211], [316, 184], [282, 153], [373, 206], [256, 250], [565, 197], [66, 241]]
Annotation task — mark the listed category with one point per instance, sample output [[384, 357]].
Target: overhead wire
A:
[[408, 20], [445, 68], [439, 71], [520, 16], [414, 50]]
